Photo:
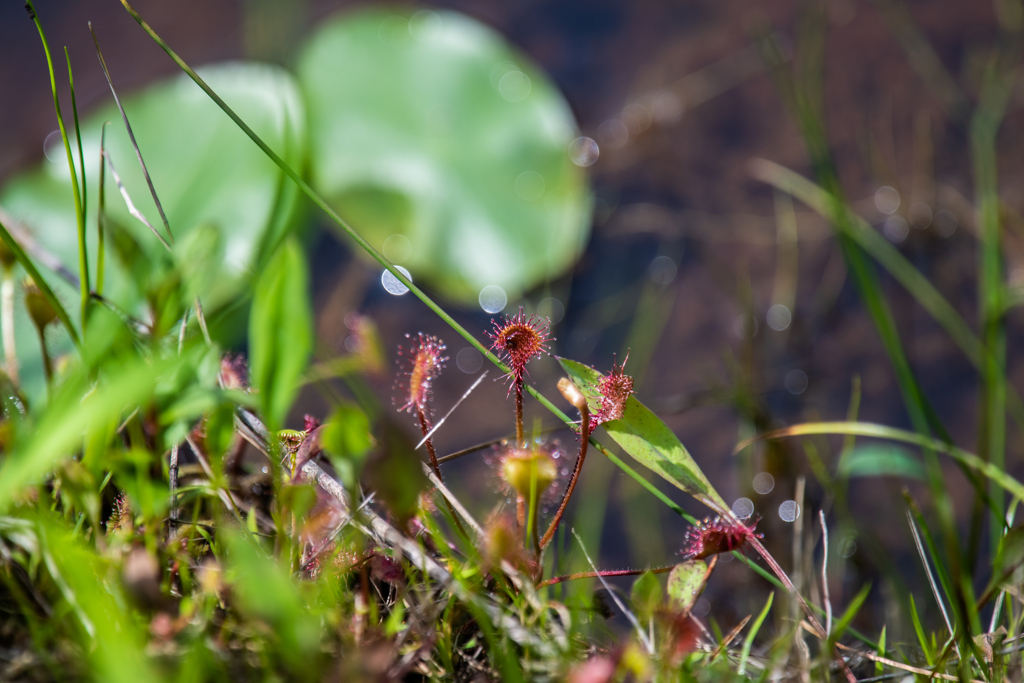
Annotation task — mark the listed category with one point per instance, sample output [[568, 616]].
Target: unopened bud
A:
[[7, 257], [39, 309], [572, 394], [531, 466]]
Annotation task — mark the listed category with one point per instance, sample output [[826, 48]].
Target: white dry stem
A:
[[458, 506], [440, 422], [7, 323], [931, 578], [903, 667], [128, 202], [824, 574]]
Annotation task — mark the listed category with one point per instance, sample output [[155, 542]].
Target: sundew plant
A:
[[165, 516]]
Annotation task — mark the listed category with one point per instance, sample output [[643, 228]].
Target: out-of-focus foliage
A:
[[280, 331], [430, 127], [227, 204]]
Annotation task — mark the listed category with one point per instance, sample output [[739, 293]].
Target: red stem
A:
[[612, 572], [520, 442], [425, 427], [584, 440]]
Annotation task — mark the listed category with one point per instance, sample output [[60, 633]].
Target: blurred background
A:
[[647, 231]]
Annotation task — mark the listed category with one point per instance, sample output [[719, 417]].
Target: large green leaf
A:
[[280, 331], [206, 173], [648, 440], [431, 127]]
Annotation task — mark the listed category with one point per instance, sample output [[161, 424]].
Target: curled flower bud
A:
[[718, 535], [420, 364], [518, 339], [572, 394]]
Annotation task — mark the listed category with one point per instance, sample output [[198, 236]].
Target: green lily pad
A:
[[647, 439], [207, 173], [431, 127]]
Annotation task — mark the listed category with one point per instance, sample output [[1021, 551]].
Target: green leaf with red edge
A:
[[686, 583], [647, 439]]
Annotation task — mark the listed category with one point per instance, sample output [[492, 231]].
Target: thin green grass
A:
[[83, 263]]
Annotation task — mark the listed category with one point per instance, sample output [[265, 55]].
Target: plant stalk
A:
[[532, 520], [610, 572], [583, 408], [47, 363], [425, 427], [520, 441]]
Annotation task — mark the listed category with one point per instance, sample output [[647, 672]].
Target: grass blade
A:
[[919, 630], [820, 200], [991, 290], [749, 641], [280, 332], [849, 614], [928, 573], [131, 136], [78, 139], [101, 205], [83, 265], [130, 204], [969, 460]]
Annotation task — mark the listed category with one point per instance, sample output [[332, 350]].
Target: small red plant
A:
[[518, 339], [419, 364], [717, 535], [615, 389]]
